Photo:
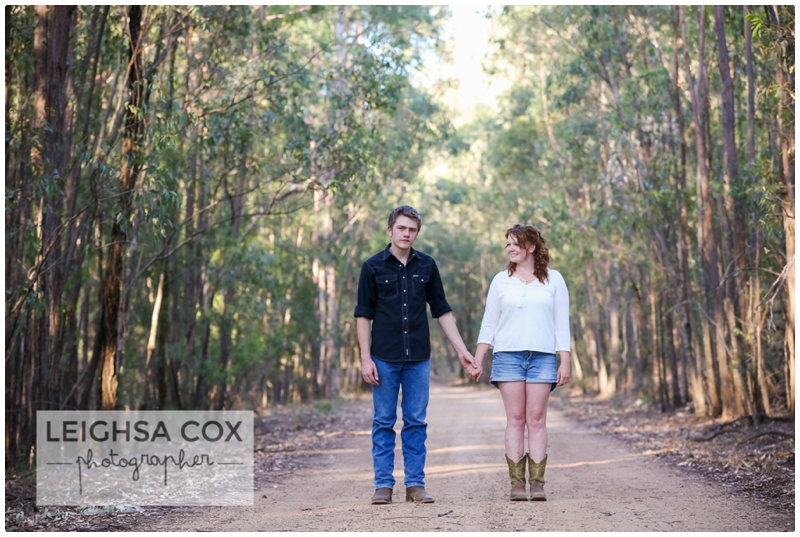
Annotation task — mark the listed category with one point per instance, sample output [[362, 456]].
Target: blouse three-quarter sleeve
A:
[[491, 315], [561, 314]]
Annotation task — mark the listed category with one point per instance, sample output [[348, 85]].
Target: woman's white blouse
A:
[[532, 317]]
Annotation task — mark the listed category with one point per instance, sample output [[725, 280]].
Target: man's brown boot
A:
[[537, 479], [516, 471], [382, 496], [417, 494]]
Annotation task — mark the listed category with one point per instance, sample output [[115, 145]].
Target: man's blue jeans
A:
[[415, 380]]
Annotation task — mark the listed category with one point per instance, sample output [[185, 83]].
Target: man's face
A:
[[404, 232]]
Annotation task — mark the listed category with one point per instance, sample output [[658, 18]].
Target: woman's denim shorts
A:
[[528, 366]]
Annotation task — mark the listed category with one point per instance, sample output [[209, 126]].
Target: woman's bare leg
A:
[[514, 401], [536, 397]]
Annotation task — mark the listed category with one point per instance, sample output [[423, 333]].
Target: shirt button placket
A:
[[405, 313]]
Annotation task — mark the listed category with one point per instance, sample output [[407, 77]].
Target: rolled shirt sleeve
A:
[[366, 300], [435, 294]]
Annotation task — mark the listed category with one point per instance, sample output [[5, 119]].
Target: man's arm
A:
[[368, 370], [448, 324]]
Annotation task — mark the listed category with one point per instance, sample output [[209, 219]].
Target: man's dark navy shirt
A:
[[393, 296]]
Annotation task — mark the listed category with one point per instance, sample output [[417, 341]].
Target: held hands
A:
[[466, 358], [468, 362], [475, 372], [473, 366]]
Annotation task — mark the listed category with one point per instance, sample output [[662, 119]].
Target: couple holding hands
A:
[[526, 321]]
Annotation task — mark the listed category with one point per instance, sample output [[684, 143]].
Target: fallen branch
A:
[[712, 437], [765, 433], [719, 429]]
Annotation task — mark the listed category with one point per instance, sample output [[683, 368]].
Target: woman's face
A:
[[516, 254]]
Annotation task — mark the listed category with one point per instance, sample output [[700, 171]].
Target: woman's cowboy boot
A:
[[516, 471], [537, 479]]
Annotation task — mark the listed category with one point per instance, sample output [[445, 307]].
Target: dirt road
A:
[[593, 484]]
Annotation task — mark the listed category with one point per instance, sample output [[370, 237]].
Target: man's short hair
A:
[[407, 211]]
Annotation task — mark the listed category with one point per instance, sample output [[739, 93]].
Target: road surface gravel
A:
[[593, 483]]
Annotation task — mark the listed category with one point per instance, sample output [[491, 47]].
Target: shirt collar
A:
[[387, 252]]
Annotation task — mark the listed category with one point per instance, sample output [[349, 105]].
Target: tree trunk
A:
[[163, 328], [226, 324], [706, 240], [612, 307], [94, 364], [751, 90], [112, 284], [185, 325], [128, 175], [669, 334], [151, 340], [50, 165], [205, 294], [659, 372], [757, 317], [591, 350], [739, 207], [577, 370], [184, 302], [596, 352], [551, 139], [741, 398], [684, 338], [323, 273], [72, 258], [691, 361], [786, 140]]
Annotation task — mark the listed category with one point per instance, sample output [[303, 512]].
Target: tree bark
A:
[[591, 349], [757, 317], [324, 276], [612, 307], [720, 395], [128, 175], [669, 334], [659, 372], [151, 340], [685, 329], [53, 169], [596, 352], [739, 205], [751, 90], [88, 378], [785, 120]]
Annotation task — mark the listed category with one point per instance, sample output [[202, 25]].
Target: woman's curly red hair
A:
[[528, 236]]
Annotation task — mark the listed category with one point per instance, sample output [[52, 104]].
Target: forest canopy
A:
[[191, 191]]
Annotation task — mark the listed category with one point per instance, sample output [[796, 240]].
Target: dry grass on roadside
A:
[[286, 439], [730, 455]]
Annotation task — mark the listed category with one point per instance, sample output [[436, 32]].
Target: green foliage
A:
[[605, 183], [276, 139]]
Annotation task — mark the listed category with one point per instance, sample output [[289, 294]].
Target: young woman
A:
[[527, 322]]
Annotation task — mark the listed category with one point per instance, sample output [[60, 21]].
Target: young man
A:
[[393, 334]]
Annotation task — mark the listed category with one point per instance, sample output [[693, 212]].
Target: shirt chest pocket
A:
[[419, 283], [386, 285]]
